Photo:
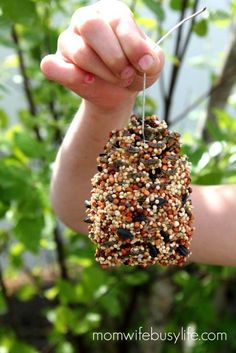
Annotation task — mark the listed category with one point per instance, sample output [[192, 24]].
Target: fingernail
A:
[[127, 72], [89, 78], [146, 62], [127, 82]]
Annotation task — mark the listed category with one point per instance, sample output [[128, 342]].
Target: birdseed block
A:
[[140, 212]]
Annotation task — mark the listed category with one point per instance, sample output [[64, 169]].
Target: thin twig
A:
[[61, 258], [55, 116], [26, 81], [133, 5], [188, 37], [175, 67], [202, 98], [47, 50]]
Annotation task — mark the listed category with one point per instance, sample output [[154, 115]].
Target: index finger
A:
[[137, 47]]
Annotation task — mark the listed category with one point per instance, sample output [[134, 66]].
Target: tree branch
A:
[[26, 82], [175, 67], [188, 37], [218, 98], [217, 85], [47, 50], [61, 258], [55, 116], [133, 5]]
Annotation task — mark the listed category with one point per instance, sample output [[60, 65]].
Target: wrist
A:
[[108, 118]]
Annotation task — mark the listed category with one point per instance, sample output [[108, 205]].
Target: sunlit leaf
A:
[[28, 231], [156, 7], [136, 278], [26, 292], [3, 119], [201, 27], [209, 178], [147, 22], [233, 6], [23, 12], [29, 145], [220, 18], [21, 347], [178, 4]]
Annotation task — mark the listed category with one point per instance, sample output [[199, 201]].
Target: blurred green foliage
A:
[[64, 294]]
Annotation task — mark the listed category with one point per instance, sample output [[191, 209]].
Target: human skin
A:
[[100, 58]]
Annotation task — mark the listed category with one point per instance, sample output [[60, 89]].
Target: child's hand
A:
[[102, 55]]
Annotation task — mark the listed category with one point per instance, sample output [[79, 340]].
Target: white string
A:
[[158, 43], [144, 103]]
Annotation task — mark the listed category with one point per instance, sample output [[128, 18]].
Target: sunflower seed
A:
[[88, 220], [182, 250], [139, 218], [124, 234], [87, 204], [164, 235], [153, 251]]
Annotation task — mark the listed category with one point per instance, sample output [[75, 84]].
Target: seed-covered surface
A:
[[140, 212]]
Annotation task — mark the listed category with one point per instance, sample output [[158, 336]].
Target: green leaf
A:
[[67, 292], [233, 6], [232, 100], [29, 145], [111, 304], [3, 307], [28, 231], [214, 131], [156, 7], [177, 4], [201, 27], [26, 292], [182, 277], [209, 178], [194, 153], [4, 238], [22, 348], [62, 317], [23, 12], [220, 18], [16, 249], [13, 180], [65, 347], [3, 119], [147, 22], [85, 324], [136, 278], [3, 209], [93, 277], [225, 120]]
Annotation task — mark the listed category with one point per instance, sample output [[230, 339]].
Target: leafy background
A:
[[53, 295]]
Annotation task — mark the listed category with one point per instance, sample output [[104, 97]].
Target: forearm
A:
[[76, 161], [214, 239]]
